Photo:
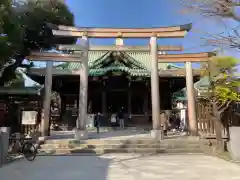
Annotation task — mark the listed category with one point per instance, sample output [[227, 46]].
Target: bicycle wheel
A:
[[29, 151]]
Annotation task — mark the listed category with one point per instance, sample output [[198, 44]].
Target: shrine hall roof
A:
[[134, 63], [101, 62]]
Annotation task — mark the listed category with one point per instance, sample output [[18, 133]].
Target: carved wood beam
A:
[[185, 27], [173, 34]]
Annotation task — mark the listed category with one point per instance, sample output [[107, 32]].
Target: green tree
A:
[[23, 29], [224, 90], [9, 32]]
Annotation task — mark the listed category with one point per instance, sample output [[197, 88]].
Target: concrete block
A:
[[157, 134], [81, 135]]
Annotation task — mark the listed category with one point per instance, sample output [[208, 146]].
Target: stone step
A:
[[159, 145], [124, 141], [119, 150]]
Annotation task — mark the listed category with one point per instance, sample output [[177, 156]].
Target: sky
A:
[[145, 14]]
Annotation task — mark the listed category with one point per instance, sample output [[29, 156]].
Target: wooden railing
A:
[[206, 124]]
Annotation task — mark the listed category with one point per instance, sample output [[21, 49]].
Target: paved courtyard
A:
[[122, 167]]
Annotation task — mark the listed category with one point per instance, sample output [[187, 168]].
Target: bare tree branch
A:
[[218, 8]]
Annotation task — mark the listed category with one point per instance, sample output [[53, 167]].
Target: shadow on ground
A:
[[58, 168]]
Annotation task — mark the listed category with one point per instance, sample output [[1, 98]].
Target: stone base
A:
[[42, 138], [157, 134], [233, 144], [81, 135]]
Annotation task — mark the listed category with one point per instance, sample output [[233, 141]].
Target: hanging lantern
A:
[[95, 78], [105, 77], [146, 83], [129, 77], [139, 79], [117, 73]]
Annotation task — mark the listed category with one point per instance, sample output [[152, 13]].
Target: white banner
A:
[[29, 117]]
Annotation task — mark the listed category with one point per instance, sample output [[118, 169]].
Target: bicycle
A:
[[21, 145]]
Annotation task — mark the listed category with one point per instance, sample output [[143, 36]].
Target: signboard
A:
[[90, 121], [3, 106], [29, 117]]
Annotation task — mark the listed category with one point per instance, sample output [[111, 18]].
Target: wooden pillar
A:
[[104, 101], [47, 99], [129, 98], [145, 105], [83, 91], [155, 88], [63, 107], [191, 100]]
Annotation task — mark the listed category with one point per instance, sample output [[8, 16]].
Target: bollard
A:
[[1, 147]]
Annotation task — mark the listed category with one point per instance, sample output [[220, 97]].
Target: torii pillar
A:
[[156, 133], [45, 120], [192, 119], [81, 132]]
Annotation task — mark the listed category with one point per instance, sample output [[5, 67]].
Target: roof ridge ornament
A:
[[119, 42]]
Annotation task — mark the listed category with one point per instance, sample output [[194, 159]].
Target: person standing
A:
[[183, 117], [120, 116], [97, 121], [113, 120]]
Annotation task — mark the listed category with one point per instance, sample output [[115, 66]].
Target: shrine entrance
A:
[[117, 99]]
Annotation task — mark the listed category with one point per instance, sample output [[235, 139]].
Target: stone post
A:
[[4, 139], [191, 100]]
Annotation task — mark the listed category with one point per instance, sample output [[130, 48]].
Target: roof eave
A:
[[186, 27]]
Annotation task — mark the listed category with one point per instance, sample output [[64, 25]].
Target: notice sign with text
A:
[[29, 117]]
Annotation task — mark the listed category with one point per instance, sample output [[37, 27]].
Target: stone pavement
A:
[[122, 167]]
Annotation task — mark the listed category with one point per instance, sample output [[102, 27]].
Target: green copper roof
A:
[[133, 63], [20, 91], [201, 86]]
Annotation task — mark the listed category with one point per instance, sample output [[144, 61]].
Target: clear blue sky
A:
[[139, 13], [143, 13]]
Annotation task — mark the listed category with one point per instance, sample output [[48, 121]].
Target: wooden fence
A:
[[206, 124]]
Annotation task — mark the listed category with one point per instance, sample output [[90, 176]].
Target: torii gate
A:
[[153, 34], [83, 85]]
